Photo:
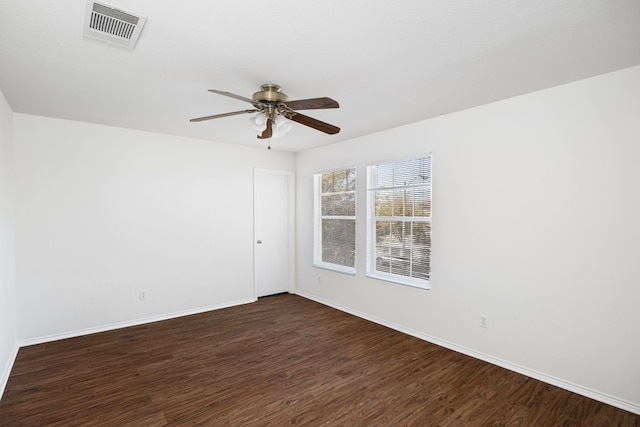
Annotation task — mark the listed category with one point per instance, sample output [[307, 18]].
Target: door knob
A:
[[259, 242]]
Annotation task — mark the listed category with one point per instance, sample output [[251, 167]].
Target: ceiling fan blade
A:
[[268, 131], [312, 104], [217, 116], [232, 95], [315, 123]]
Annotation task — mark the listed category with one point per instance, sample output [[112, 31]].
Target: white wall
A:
[[8, 341], [104, 212], [535, 225]]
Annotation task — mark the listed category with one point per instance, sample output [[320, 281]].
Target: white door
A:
[[273, 231]]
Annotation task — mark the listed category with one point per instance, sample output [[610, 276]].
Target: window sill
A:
[[335, 267], [407, 281]]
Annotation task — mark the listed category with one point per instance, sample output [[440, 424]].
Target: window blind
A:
[[400, 221]]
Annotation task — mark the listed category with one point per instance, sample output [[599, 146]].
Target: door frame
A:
[[291, 227]]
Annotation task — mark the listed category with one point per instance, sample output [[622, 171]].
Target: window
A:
[[399, 221], [335, 220]]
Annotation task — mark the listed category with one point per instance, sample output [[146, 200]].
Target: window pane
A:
[[339, 181], [339, 204], [339, 241], [383, 176], [384, 203], [383, 231], [400, 247], [393, 247], [351, 180], [404, 173], [423, 170], [403, 203], [383, 246], [327, 183], [421, 237], [422, 201]]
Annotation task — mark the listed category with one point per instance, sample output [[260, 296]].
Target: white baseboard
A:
[[136, 322], [558, 382], [6, 370]]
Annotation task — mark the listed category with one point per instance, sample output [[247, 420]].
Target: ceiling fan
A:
[[272, 105]]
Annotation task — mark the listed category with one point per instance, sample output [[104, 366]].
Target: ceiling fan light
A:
[[281, 127], [258, 122]]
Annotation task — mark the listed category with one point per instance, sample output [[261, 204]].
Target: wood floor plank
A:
[[283, 360]]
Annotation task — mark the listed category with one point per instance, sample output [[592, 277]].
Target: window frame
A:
[[318, 217], [372, 219]]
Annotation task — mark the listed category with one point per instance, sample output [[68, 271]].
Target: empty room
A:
[[319, 213]]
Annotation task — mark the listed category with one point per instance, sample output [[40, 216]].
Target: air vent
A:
[[112, 25]]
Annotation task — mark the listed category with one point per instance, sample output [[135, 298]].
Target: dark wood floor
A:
[[284, 360]]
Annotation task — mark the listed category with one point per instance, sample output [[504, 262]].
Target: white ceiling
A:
[[387, 62]]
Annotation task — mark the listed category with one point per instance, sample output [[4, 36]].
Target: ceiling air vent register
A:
[[112, 25]]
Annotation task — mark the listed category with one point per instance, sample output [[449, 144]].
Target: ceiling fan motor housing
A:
[[270, 93]]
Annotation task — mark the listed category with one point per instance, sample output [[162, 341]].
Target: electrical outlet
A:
[[319, 279], [144, 294], [484, 319]]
